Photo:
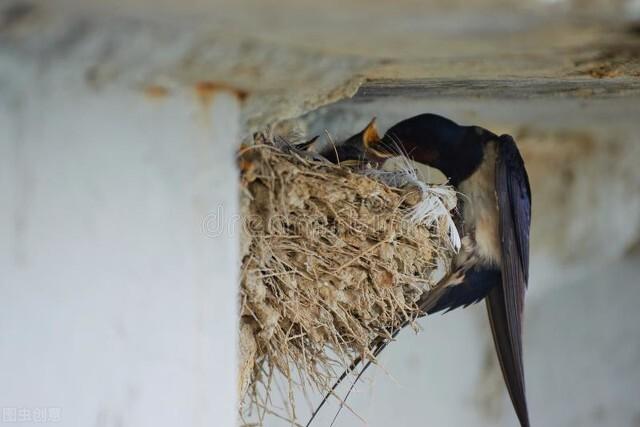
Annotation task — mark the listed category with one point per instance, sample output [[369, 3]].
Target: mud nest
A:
[[333, 258]]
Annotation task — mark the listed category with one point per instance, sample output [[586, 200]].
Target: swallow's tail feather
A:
[[509, 353]]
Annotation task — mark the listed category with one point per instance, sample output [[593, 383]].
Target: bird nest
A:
[[333, 257]]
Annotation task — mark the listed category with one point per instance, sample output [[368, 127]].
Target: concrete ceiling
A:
[[292, 57]]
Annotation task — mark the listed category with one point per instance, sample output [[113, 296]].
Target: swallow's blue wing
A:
[[505, 303]]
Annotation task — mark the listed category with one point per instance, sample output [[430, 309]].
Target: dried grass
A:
[[332, 259]]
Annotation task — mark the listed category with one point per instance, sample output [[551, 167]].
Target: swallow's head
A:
[[457, 151]]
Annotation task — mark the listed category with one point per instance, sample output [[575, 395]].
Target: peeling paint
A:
[[621, 59], [206, 90], [156, 92]]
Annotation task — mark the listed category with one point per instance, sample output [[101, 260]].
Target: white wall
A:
[[118, 308]]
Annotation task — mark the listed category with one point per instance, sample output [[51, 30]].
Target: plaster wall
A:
[[117, 267]]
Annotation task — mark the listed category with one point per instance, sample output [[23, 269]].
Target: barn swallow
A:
[[493, 214]]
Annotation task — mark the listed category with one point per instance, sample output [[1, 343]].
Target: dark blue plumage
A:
[[436, 141], [477, 283]]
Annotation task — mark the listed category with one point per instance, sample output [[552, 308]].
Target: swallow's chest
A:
[[480, 210]]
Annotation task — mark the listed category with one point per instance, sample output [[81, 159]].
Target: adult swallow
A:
[[494, 214]]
